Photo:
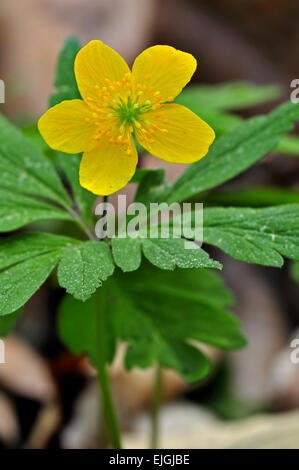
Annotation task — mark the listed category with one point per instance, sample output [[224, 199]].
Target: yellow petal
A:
[[165, 69], [175, 134], [64, 127], [107, 168], [95, 65]]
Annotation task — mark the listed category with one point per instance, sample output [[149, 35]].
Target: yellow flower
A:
[[117, 103]]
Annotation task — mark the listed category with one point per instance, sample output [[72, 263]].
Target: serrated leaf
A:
[[260, 236], [24, 169], [25, 262], [20, 282], [234, 152], [169, 253], [158, 314], [17, 210], [83, 268], [126, 253], [27, 245], [26, 177], [65, 80]]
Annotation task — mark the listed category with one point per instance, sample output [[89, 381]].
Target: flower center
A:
[[118, 111]]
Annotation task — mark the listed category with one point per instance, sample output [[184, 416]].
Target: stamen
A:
[[119, 110]]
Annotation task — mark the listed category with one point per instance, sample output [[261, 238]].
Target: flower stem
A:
[[103, 377], [79, 219], [156, 405]]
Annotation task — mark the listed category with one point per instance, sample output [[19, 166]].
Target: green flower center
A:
[[130, 112]]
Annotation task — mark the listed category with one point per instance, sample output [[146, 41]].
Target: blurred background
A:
[[48, 398]]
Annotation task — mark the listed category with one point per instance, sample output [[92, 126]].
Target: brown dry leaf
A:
[[9, 427], [133, 389], [25, 372], [48, 420], [186, 426], [82, 432]]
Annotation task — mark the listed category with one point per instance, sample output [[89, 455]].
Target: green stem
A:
[[79, 219], [156, 405], [103, 377], [101, 364]]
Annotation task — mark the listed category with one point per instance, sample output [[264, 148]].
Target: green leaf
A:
[[84, 199], [65, 81], [17, 210], [220, 121], [158, 314], [66, 89], [211, 103], [259, 236], [295, 271], [28, 245], [24, 169], [32, 133], [126, 253], [20, 282], [83, 268], [258, 196], [234, 152], [169, 253], [30, 186], [165, 253], [77, 327], [147, 190], [25, 263], [227, 96], [140, 173]]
